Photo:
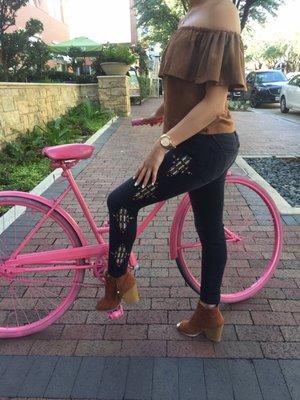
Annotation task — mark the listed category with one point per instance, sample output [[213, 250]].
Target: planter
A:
[[115, 68]]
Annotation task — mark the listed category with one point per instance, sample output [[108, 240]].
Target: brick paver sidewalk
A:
[[266, 326]]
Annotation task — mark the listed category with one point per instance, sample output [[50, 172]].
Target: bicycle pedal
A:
[[116, 314]]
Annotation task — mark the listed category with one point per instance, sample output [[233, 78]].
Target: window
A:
[[295, 81], [270, 76], [54, 8]]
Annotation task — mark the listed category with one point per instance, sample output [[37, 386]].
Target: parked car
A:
[[263, 86], [290, 95], [291, 75], [236, 95]]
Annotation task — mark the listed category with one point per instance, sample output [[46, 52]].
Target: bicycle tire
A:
[[276, 252], [73, 238]]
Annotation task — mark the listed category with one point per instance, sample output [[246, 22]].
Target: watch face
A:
[[165, 141]]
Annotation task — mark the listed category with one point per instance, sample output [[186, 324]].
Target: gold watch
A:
[[166, 142]]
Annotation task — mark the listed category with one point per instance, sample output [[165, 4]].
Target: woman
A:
[[203, 60]]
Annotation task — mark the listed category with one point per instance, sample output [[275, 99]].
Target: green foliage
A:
[[256, 10], [53, 76], [139, 49], [272, 54], [8, 13], [21, 56], [77, 58], [160, 18], [144, 86], [273, 50], [23, 177], [117, 53], [56, 133], [238, 105], [86, 117], [282, 51], [22, 165]]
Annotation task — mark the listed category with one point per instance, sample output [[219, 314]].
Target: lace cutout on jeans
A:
[[123, 218], [147, 191], [180, 165], [120, 255]]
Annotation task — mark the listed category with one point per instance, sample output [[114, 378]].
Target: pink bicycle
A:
[[44, 253]]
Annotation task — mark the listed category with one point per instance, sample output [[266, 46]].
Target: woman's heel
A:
[[132, 295], [214, 334]]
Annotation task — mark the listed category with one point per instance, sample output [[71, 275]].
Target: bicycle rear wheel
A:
[[254, 241], [31, 301]]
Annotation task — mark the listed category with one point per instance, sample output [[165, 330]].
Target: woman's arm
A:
[[198, 118], [201, 115]]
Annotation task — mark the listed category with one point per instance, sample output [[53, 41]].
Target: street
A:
[[274, 111], [266, 131]]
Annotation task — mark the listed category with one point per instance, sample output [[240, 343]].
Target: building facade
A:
[[53, 15], [134, 32]]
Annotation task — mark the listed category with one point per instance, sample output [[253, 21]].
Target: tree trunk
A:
[[4, 60], [246, 13]]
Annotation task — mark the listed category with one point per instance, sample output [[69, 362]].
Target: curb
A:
[[283, 206]]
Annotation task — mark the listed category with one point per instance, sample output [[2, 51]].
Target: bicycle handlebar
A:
[[147, 121]]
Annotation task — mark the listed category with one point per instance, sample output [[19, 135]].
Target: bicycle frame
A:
[[16, 262]]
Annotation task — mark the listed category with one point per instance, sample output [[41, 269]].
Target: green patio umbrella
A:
[[86, 45]]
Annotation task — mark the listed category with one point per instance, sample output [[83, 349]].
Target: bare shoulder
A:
[[225, 16]]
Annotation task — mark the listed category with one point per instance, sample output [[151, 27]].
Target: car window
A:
[[292, 81], [295, 81], [270, 76]]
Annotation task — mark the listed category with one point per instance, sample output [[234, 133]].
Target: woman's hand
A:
[[148, 171]]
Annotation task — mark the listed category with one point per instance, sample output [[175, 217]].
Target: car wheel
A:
[[254, 103], [283, 107]]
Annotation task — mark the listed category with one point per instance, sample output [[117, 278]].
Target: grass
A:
[[22, 165]]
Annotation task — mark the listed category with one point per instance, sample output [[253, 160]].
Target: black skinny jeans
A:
[[197, 166]]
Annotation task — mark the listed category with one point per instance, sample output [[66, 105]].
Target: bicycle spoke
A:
[[31, 299], [35, 307], [46, 298]]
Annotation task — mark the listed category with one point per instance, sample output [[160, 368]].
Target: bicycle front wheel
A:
[[253, 233], [31, 301]]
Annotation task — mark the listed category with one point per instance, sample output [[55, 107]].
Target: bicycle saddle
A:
[[74, 151]]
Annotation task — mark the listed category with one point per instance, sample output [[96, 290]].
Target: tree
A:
[[160, 18], [139, 50], [77, 58], [273, 54], [274, 46], [8, 13], [256, 10], [21, 54], [282, 52]]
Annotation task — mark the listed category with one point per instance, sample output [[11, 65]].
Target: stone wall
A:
[[89, 91], [114, 93], [23, 105]]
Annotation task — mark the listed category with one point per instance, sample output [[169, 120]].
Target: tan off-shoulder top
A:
[[194, 56]]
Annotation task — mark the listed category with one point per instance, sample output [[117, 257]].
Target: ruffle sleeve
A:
[[205, 55]]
